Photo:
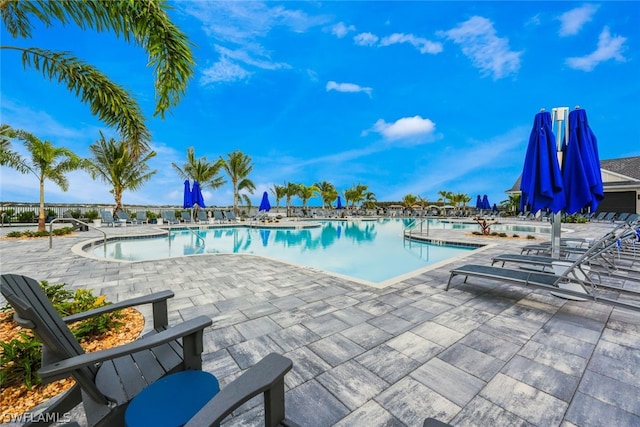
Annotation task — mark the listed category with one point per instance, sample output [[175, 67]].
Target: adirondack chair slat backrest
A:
[[32, 305]]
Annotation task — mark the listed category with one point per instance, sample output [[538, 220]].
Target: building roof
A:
[[627, 166]]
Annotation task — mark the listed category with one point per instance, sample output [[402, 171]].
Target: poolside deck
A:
[[482, 353]]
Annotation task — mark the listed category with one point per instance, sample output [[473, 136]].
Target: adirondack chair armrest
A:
[[63, 368], [266, 376], [158, 299]]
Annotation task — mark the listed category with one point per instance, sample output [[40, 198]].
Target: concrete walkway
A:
[[483, 353]]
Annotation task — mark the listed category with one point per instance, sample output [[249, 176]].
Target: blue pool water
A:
[[374, 251]]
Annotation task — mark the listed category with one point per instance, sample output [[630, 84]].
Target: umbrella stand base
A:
[[572, 287]]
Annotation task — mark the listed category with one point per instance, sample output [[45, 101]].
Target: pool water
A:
[[373, 251]]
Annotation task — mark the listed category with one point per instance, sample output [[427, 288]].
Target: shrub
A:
[[44, 233], [92, 214], [22, 357], [152, 215], [494, 233], [14, 234], [477, 233], [515, 236], [75, 213], [502, 234], [26, 216], [530, 237]]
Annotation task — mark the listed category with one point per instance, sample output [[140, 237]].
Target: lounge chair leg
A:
[[274, 404]]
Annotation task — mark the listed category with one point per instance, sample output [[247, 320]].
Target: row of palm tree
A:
[[327, 192]]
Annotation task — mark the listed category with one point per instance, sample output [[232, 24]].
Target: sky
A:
[[404, 97]]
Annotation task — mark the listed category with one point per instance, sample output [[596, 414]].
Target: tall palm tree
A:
[[278, 191], [238, 167], [47, 162], [369, 200], [328, 193], [409, 200], [292, 190], [305, 193], [445, 196], [144, 23], [355, 194], [115, 165], [8, 157], [201, 170]]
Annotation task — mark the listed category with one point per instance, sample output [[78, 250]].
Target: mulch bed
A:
[[16, 400]]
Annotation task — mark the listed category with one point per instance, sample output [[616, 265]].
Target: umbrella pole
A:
[[559, 115]]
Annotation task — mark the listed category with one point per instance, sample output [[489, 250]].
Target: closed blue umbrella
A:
[[541, 183], [479, 202], [187, 201], [581, 166], [495, 208], [264, 204], [339, 203], [485, 203], [196, 195]]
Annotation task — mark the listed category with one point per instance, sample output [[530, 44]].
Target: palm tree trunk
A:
[[41, 216]]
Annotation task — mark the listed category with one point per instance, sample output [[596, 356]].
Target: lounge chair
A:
[[608, 217], [185, 216], [218, 216], [202, 216], [107, 380], [621, 217], [77, 225], [169, 217], [107, 218], [575, 274], [230, 216], [122, 216], [141, 218]]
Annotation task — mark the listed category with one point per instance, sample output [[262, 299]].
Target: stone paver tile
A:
[[491, 302], [287, 302], [431, 306], [555, 358], [290, 317], [391, 324], [565, 343], [352, 316], [293, 337], [366, 335], [510, 328], [370, 414], [220, 338], [395, 299], [306, 365], [387, 363], [613, 392], [415, 346], [259, 310], [457, 322], [450, 382], [411, 402], [375, 307], [481, 412], [250, 352], [257, 327], [488, 344], [623, 338], [352, 384], [528, 313], [586, 411], [220, 363], [325, 325], [570, 329], [472, 361], [527, 402], [437, 333], [336, 349], [413, 314], [542, 376], [228, 318], [341, 301], [311, 405]]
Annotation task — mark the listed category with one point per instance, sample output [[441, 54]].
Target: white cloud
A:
[[240, 29], [347, 87], [571, 22], [365, 39], [608, 48], [422, 44], [488, 52], [405, 128], [340, 29], [223, 71]]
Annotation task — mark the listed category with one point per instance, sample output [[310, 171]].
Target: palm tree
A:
[[355, 194], [369, 200], [238, 166], [292, 190], [445, 196], [47, 162], [115, 165], [305, 193], [328, 193], [146, 23], [278, 191], [9, 157], [409, 200], [512, 204], [206, 173]]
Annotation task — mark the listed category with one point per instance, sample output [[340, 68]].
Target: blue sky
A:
[[405, 97]]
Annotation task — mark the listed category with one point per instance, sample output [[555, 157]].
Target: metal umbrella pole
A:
[[560, 115]]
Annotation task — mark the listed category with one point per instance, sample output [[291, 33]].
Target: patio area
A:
[[483, 353]]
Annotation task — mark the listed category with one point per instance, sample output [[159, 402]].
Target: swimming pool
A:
[[372, 251]]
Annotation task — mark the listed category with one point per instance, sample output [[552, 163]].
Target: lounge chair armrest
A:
[[63, 368], [158, 300], [266, 376]]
